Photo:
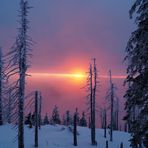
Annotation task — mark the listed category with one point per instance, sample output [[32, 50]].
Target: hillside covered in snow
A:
[[60, 137]]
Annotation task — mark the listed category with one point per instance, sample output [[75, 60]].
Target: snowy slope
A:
[[59, 137]]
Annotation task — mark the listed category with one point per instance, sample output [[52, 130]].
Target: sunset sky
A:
[[67, 35]]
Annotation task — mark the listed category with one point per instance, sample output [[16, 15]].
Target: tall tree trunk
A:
[[105, 123], [112, 102], [117, 118], [36, 119], [21, 111], [40, 109], [94, 106], [91, 105], [21, 101], [102, 119], [106, 144], [22, 45], [75, 128]]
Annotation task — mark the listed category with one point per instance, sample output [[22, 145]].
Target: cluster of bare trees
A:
[[112, 107]]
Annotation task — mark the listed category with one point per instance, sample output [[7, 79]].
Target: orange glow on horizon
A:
[[72, 75], [59, 75], [76, 78]]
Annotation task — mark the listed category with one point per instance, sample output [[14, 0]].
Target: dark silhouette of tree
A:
[[46, 120], [36, 118], [91, 103], [40, 110], [28, 120], [83, 121], [116, 114], [55, 119], [92, 86], [94, 142], [75, 127], [112, 107], [67, 118], [137, 76]]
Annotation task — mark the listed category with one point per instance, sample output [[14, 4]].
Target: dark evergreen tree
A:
[[46, 120], [78, 118], [28, 120], [33, 118], [137, 80], [67, 118], [55, 119], [83, 121]]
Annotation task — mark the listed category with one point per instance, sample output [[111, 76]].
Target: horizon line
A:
[[73, 75]]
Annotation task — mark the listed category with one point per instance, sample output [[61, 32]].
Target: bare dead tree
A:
[[40, 110], [17, 66], [75, 127], [116, 113], [112, 106], [91, 102], [22, 69], [36, 118], [94, 103], [105, 122], [111, 99], [91, 88]]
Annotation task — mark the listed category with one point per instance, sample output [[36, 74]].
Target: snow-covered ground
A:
[[60, 137]]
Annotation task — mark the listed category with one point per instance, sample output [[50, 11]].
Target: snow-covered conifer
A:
[[137, 76]]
